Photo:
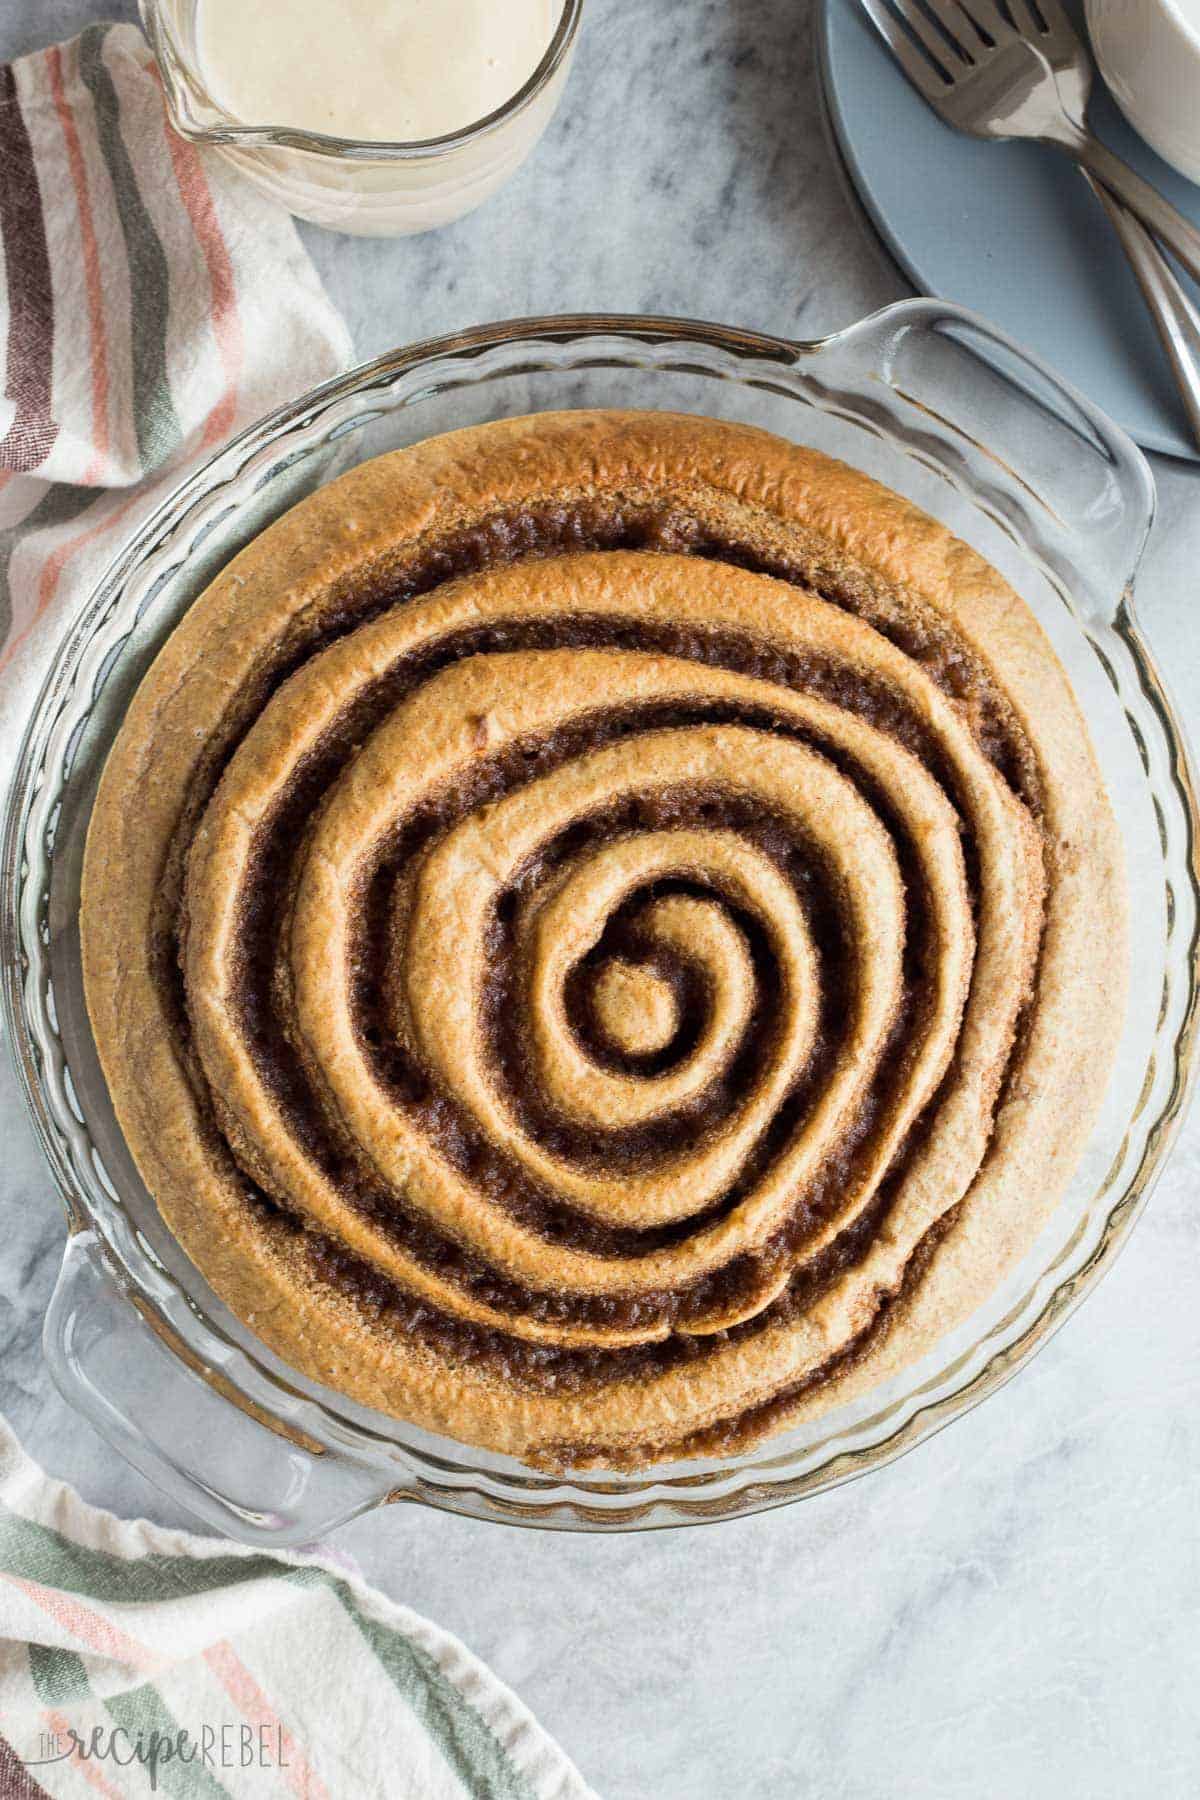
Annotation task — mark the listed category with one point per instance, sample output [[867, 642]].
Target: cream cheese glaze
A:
[[385, 70]]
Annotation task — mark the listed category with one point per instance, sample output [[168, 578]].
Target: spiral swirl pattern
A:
[[604, 972]]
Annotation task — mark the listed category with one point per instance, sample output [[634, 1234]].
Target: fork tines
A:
[[937, 42], [930, 73]]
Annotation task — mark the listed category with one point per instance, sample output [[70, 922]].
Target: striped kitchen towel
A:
[[136, 1661], [151, 303]]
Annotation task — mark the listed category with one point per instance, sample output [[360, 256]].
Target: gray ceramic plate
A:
[[1009, 230]]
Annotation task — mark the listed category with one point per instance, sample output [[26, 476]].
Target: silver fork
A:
[[1176, 319], [984, 76]]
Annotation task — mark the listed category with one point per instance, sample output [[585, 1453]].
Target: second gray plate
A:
[[1009, 230]]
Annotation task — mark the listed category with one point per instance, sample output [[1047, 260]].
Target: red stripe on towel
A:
[[88, 1627], [62, 1727], [226, 320], [55, 563], [254, 1705]]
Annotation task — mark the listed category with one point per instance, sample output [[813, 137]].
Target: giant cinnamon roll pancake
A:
[[604, 934]]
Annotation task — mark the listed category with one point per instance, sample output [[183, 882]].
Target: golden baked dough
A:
[[604, 934]]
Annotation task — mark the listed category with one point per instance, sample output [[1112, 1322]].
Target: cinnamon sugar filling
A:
[[497, 1177]]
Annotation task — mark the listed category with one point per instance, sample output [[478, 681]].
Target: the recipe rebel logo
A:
[[238, 1746]]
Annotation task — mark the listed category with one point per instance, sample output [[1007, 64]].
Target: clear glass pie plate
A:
[[933, 403]]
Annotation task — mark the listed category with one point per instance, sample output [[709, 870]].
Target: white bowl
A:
[[1149, 54]]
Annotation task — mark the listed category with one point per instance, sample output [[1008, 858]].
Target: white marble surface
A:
[[1013, 1612]]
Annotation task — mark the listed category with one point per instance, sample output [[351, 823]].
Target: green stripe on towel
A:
[[61, 1680], [59, 1676], [57, 506], [477, 1758], [37, 1553], [142, 1713]]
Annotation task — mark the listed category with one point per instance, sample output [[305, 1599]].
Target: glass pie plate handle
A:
[[185, 1426], [935, 404]]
